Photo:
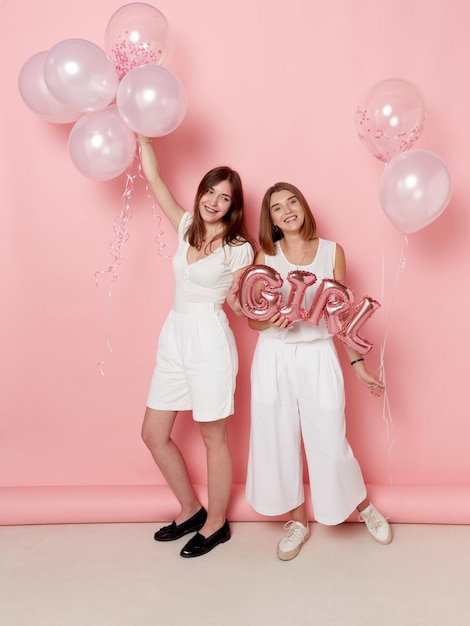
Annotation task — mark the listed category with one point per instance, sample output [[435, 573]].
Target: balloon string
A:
[[161, 244], [121, 237], [386, 410]]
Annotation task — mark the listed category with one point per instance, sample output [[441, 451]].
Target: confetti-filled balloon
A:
[[37, 95], [101, 145], [80, 74], [137, 34], [390, 118]]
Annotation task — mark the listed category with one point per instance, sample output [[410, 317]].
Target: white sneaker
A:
[[376, 524], [289, 546]]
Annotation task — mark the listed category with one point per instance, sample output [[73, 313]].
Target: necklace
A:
[[291, 259], [209, 243]]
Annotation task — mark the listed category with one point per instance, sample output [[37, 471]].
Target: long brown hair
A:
[[268, 233], [235, 232]]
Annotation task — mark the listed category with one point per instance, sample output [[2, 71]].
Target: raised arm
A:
[[163, 195]]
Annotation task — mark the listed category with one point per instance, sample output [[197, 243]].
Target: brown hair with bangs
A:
[[268, 234], [235, 232]]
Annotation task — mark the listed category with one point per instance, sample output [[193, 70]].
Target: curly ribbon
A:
[[161, 244], [386, 410], [122, 236]]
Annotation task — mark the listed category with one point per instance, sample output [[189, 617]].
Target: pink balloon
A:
[[137, 34], [390, 118], [299, 281], [151, 100], [37, 96], [414, 189], [80, 74], [333, 299], [101, 145], [267, 304], [349, 333]]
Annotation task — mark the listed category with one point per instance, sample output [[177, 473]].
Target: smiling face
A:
[[215, 202], [287, 213]]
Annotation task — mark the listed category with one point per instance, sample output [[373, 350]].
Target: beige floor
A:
[[116, 575]]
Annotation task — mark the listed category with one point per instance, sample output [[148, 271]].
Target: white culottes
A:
[[197, 363], [298, 393]]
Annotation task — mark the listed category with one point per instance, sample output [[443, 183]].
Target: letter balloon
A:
[[349, 333], [266, 304], [333, 300]]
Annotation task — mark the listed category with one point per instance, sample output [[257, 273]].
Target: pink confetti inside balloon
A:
[[137, 34], [390, 118]]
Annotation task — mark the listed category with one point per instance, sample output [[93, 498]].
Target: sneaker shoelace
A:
[[293, 532], [372, 519]]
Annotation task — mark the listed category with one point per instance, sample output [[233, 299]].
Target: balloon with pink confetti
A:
[[390, 118], [137, 34]]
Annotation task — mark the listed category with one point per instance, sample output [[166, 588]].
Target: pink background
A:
[[272, 87]]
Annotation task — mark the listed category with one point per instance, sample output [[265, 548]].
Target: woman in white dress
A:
[[197, 363], [298, 390]]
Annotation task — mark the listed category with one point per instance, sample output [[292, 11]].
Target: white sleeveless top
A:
[[323, 267]]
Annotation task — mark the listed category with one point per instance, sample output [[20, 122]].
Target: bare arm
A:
[[233, 298], [371, 381], [163, 195]]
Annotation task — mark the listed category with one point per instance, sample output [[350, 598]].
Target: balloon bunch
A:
[[415, 186], [110, 94]]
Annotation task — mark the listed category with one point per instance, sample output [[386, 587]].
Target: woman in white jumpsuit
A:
[[298, 390], [197, 359]]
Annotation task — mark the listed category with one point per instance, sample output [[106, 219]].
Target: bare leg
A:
[[299, 515], [156, 433], [219, 474], [363, 505]]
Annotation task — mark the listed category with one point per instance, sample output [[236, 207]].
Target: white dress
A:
[[298, 395], [197, 359]]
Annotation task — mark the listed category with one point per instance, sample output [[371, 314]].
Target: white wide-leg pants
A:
[[298, 393]]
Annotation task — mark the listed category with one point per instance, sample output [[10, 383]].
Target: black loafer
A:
[[199, 545], [175, 531]]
